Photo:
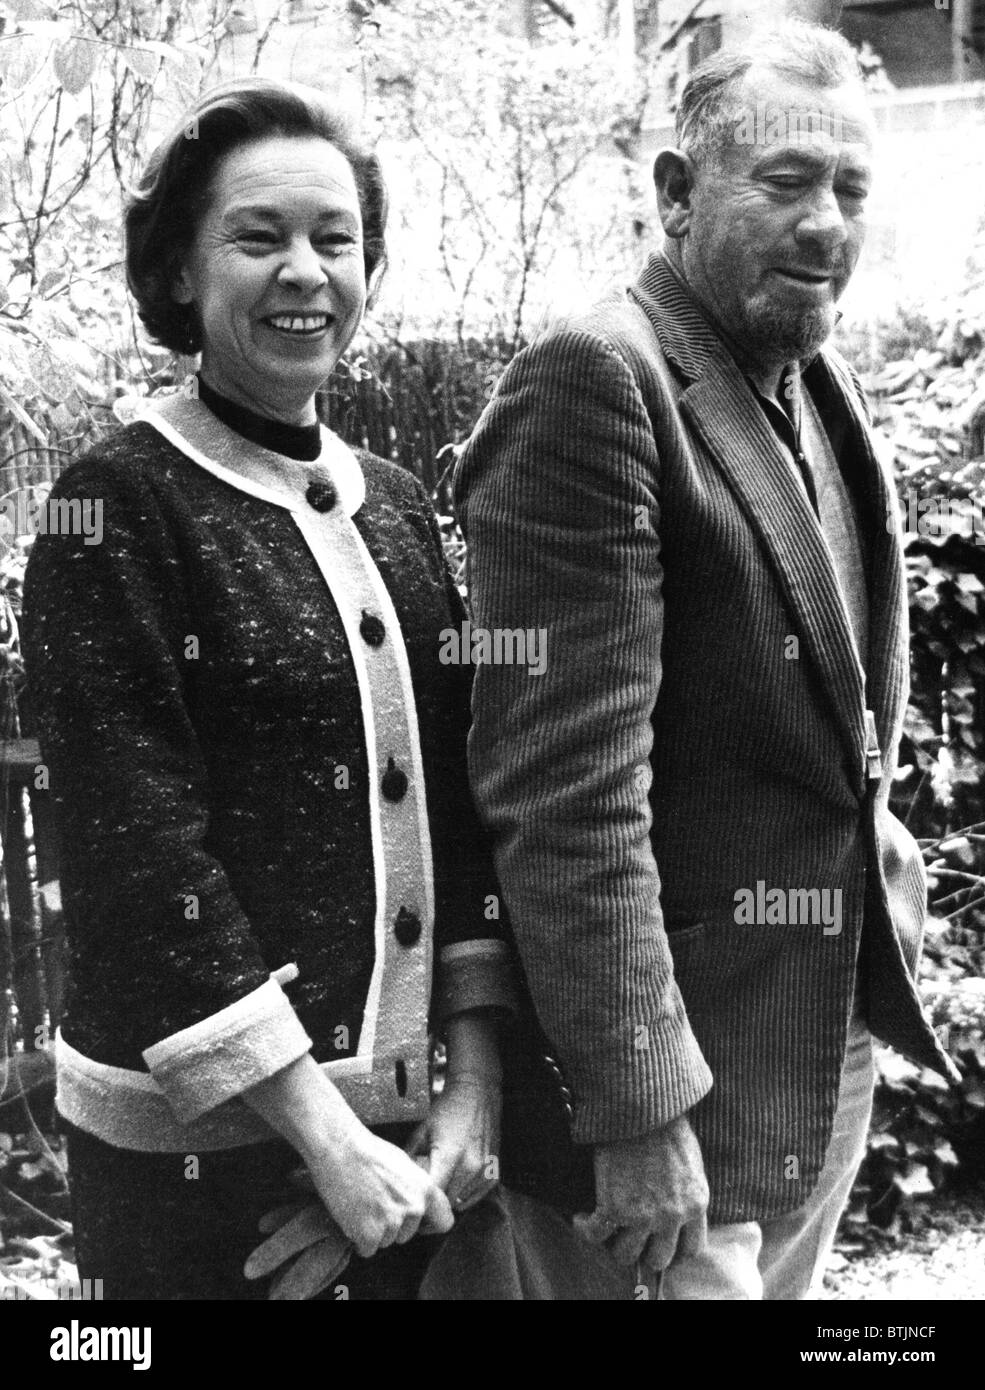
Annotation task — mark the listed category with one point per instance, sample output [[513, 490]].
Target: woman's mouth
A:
[[299, 325]]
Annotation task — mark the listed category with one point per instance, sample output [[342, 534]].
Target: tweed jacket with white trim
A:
[[257, 760]]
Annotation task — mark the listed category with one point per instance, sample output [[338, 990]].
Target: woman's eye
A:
[[255, 236], [337, 241]]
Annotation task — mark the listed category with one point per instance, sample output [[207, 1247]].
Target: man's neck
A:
[[767, 379]]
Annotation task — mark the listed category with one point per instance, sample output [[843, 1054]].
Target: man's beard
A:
[[781, 332]]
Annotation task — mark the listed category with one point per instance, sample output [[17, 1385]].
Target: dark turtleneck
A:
[[301, 442]]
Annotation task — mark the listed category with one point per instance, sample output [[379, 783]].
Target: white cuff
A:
[[217, 1058]]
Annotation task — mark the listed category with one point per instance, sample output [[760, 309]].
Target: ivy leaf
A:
[[29, 11], [49, 281], [945, 1154], [20, 414], [142, 62], [22, 57], [184, 63], [55, 379], [74, 62], [915, 1183]]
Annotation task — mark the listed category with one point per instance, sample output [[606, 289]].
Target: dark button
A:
[[321, 496], [394, 784], [371, 629], [407, 927]]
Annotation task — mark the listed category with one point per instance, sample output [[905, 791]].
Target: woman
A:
[[259, 761]]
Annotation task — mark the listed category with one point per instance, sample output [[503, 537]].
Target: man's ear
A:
[[673, 177]]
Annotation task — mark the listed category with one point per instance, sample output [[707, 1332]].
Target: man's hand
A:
[[651, 1197], [460, 1139]]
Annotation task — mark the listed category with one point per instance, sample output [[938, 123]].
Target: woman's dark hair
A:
[[164, 210]]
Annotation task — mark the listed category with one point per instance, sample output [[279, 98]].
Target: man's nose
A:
[[302, 267], [824, 222]]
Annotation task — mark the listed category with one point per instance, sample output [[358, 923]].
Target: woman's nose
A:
[[302, 267]]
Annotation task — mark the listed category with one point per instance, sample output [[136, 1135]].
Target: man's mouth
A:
[[299, 325]]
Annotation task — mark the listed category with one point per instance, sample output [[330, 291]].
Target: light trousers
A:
[[785, 1257]]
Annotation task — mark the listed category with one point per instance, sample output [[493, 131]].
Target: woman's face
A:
[[276, 273]]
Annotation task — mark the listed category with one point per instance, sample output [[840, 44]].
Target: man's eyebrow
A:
[[809, 158]]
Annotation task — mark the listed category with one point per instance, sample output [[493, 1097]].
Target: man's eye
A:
[[857, 195], [786, 181]]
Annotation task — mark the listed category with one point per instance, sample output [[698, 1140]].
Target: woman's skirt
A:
[[181, 1226]]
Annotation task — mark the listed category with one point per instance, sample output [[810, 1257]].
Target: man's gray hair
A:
[[708, 111]]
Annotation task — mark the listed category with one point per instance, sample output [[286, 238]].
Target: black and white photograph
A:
[[492, 666]]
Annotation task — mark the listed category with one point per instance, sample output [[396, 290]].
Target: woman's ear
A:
[[673, 177], [181, 290]]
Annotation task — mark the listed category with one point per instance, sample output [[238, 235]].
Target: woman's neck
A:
[[302, 442]]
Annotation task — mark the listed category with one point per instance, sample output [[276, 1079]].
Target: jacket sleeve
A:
[[557, 494], [474, 952], [106, 628]]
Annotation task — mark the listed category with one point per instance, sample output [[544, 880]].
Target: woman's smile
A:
[[298, 325]]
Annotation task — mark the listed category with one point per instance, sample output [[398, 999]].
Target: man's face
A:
[[776, 223]]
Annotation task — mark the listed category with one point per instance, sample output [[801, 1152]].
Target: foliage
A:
[[76, 85], [510, 161], [927, 408]]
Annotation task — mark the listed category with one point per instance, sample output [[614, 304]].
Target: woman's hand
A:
[[375, 1192], [460, 1139]]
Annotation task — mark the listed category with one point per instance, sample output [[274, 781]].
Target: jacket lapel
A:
[[721, 408]]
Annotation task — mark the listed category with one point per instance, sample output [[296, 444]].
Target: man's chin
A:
[[792, 335]]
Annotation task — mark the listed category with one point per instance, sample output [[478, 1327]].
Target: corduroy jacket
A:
[[258, 764], [681, 798]]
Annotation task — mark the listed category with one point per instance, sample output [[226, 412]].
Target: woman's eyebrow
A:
[[273, 213]]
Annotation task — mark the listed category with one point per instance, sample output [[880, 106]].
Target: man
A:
[[714, 906]]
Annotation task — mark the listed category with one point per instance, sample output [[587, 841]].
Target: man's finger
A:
[[596, 1227], [438, 1217], [694, 1236], [442, 1166], [626, 1246], [659, 1251]]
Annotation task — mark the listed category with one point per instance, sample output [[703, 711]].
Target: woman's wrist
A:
[[306, 1109]]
